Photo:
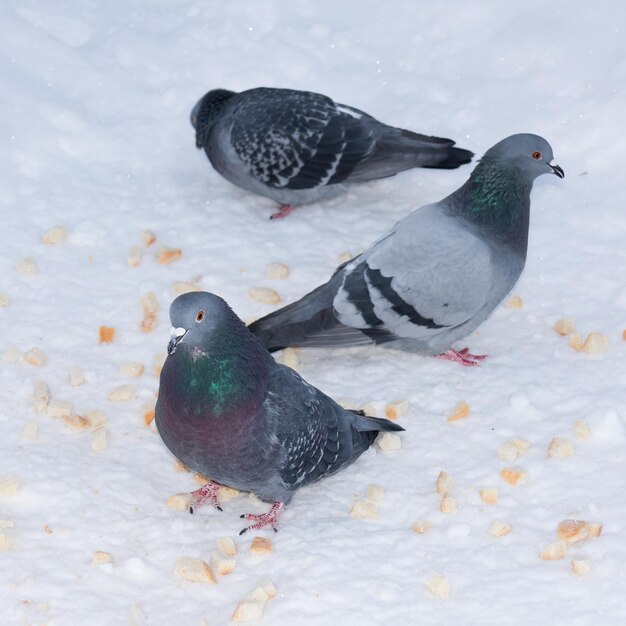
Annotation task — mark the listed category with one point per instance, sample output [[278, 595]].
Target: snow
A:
[[96, 139]]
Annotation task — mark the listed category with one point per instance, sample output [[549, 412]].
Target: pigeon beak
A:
[[556, 170], [177, 335]]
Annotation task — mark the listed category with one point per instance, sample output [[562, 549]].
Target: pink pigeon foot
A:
[[264, 519], [283, 211], [207, 493], [464, 357]]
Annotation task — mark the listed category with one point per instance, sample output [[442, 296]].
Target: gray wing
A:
[[428, 275], [300, 140], [316, 435]]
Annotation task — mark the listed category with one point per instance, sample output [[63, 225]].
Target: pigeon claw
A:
[[463, 357], [283, 211], [264, 519], [207, 493]]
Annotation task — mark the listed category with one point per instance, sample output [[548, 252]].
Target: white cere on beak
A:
[[177, 332]]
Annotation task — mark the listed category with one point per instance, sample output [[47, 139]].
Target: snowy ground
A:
[[96, 138]]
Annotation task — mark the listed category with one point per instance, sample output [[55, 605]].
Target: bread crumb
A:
[[54, 236], [106, 334], [12, 355], [438, 586], [514, 302], [374, 493], [396, 410], [179, 466], [194, 570], [581, 430], [147, 237], [576, 342], [157, 362], [461, 411], [581, 567], [596, 343], [564, 327], [514, 476], [388, 442], [76, 377], [572, 531], [101, 557], [290, 358], [554, 551], [362, 509], [9, 485], [168, 255], [75, 422], [134, 369], [223, 565], [228, 493], [260, 545], [123, 393], [96, 418], [421, 526], [148, 416], [344, 257], [489, 495], [135, 256], [447, 505], [252, 606], [4, 300], [560, 448], [150, 307], [180, 287], [59, 408], [27, 266], [508, 452], [227, 546], [521, 445], [41, 396], [264, 295], [277, 271], [100, 439], [35, 357], [179, 502], [444, 483], [500, 529], [6, 542], [30, 432]]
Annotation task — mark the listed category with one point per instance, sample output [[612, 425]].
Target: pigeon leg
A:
[[283, 211], [464, 357], [264, 519], [207, 493]]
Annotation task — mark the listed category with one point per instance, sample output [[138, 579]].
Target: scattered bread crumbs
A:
[[76, 377], [157, 362], [388, 442], [59, 408], [438, 586], [147, 237], [521, 445], [461, 411], [4, 300], [514, 302], [572, 531], [260, 545], [123, 393], [27, 266], [444, 483], [97, 418], [168, 255], [100, 439], [264, 295], [252, 606], [277, 271], [106, 334], [554, 551], [9, 485], [135, 256], [374, 493], [581, 430], [101, 557], [179, 466], [148, 416], [30, 432], [421, 526], [447, 505], [194, 570], [41, 396], [54, 236], [489, 495], [75, 422], [134, 369], [290, 358], [181, 287], [12, 355], [362, 509], [514, 476], [222, 564], [344, 257], [564, 326], [500, 529], [6, 542], [35, 357], [396, 410], [179, 502], [576, 342], [581, 567], [560, 448], [596, 343], [227, 546]]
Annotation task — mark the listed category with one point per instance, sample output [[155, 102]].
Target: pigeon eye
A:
[[536, 155], [200, 316]]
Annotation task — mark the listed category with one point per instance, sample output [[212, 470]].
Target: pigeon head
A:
[[207, 111], [525, 152], [195, 317]]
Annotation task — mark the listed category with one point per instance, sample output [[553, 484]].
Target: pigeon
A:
[[436, 275], [228, 410], [297, 147]]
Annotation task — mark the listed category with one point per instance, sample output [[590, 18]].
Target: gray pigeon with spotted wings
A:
[[436, 275], [227, 410], [297, 147]]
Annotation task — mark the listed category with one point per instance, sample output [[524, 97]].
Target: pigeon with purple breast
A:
[[297, 147]]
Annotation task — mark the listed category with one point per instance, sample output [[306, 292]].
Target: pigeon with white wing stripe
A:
[[436, 275], [297, 147]]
